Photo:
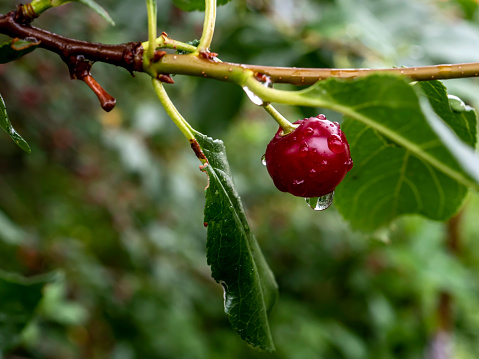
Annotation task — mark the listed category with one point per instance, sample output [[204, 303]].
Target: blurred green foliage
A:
[[114, 202]]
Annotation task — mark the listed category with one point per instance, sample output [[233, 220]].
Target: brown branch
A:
[[78, 55], [128, 56]]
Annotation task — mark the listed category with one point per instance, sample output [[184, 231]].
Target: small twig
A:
[[107, 102]]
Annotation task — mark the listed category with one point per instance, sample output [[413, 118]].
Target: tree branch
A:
[[128, 56], [79, 55]]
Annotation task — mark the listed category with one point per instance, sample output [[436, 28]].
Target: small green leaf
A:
[[16, 48], [7, 126], [19, 299], [98, 9], [233, 253], [191, 5]]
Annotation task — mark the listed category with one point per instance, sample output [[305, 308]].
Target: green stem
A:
[[285, 125], [151, 9], [164, 42], [40, 6], [208, 26], [171, 110]]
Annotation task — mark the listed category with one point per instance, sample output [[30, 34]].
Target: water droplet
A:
[[303, 150], [254, 99], [263, 160], [349, 164], [457, 105], [337, 124], [267, 81], [321, 117], [320, 203], [309, 131], [312, 173], [335, 144]]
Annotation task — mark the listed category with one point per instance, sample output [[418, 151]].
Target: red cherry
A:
[[311, 160]]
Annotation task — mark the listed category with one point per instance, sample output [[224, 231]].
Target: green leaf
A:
[[19, 299], [388, 181], [7, 126], [98, 9], [16, 48], [413, 170], [233, 253], [190, 5]]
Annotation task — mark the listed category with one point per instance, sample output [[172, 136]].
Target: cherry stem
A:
[[285, 125]]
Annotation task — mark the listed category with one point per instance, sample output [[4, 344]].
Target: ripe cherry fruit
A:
[[311, 160]]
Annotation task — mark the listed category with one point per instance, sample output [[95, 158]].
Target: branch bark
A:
[[128, 55]]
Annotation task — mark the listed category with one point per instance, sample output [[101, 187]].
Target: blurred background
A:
[[113, 202]]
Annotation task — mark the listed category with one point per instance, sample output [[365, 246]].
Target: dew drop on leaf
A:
[[320, 203], [457, 105]]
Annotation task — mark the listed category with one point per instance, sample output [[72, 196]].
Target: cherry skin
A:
[[311, 160]]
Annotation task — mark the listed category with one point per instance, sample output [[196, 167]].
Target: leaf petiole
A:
[[172, 111]]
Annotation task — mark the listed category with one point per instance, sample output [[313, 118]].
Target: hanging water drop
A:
[[254, 98], [320, 203], [263, 160], [349, 164]]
